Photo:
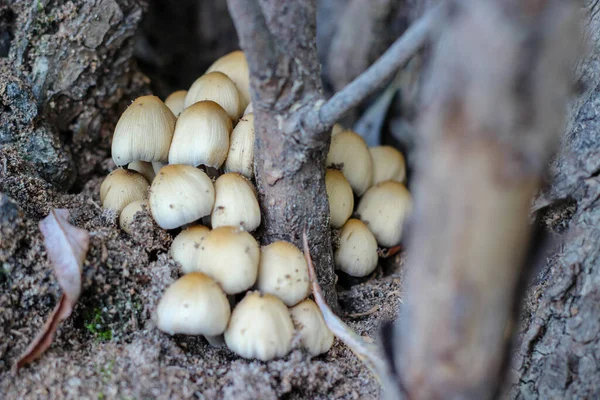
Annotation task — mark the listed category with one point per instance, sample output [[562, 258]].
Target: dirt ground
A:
[[110, 347]]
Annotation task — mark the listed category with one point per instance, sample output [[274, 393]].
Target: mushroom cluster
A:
[[189, 161]]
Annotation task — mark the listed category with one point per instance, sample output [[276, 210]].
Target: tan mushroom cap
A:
[[230, 256], [122, 187], [350, 154], [143, 167], [356, 254], [144, 132], [260, 327], [235, 66], [186, 247], [337, 128], [388, 164], [315, 336], [241, 148], [283, 272], [217, 87], [201, 135], [175, 101], [340, 196], [384, 209], [128, 213], [235, 203], [193, 305], [179, 195]]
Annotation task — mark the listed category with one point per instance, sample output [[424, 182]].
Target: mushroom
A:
[[340, 196], [122, 187], [235, 203], [143, 167], [128, 213], [315, 336], [356, 254], [388, 164], [186, 246], [201, 135], [235, 66], [179, 195], [384, 208], [230, 256], [283, 272], [336, 128], [175, 101], [193, 305], [144, 132], [241, 148], [249, 109], [260, 327], [350, 154], [216, 86]]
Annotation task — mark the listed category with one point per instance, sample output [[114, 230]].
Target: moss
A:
[[94, 323]]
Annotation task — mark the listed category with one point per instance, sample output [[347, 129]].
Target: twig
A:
[[378, 73]]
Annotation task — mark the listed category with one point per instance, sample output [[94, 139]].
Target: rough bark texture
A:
[[559, 354], [493, 124], [280, 45]]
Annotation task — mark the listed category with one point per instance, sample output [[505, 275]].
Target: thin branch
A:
[[378, 73]]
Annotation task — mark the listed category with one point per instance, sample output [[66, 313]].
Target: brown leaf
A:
[[367, 352], [67, 247]]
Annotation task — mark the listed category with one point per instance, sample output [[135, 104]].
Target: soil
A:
[[110, 346]]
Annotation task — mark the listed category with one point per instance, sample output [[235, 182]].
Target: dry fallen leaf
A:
[[367, 352], [67, 247]]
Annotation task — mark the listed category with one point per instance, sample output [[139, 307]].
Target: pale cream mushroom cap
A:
[[144, 132], [175, 101], [180, 195], [235, 66], [315, 336], [337, 128], [143, 167], [217, 87], [128, 213], [241, 148], [356, 254], [260, 327], [186, 246], [235, 203], [388, 164], [350, 154], [230, 256], [283, 272], [249, 109], [384, 209], [193, 305], [122, 187], [201, 135], [340, 196]]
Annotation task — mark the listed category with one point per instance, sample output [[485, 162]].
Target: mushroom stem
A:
[[215, 341]]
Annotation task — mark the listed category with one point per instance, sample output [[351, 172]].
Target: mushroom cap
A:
[[384, 208], [260, 327], [283, 272], [175, 101], [356, 254], [241, 148], [336, 128], [249, 109], [143, 167], [235, 66], [122, 187], [388, 164], [201, 135], [230, 256], [193, 305], [340, 196], [179, 195], [186, 246], [235, 203], [350, 154], [216, 86], [144, 132], [315, 336], [128, 213]]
